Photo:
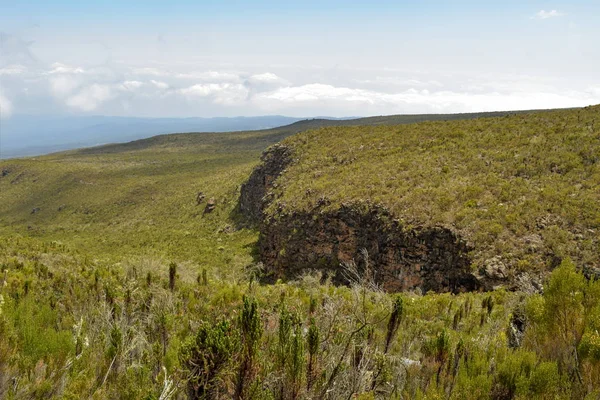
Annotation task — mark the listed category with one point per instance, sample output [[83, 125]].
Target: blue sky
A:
[[339, 58]]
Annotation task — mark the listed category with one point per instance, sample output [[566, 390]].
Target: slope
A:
[[455, 205], [139, 197]]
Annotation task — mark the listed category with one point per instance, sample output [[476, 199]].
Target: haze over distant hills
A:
[[27, 135]]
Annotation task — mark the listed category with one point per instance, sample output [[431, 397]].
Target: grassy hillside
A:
[[139, 198], [523, 187], [119, 286]]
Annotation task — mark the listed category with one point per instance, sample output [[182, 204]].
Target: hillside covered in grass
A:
[[520, 192], [118, 281], [139, 198]]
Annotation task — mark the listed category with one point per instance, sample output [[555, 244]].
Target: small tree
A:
[[296, 361], [250, 333], [392, 328], [438, 349], [313, 348], [283, 346], [564, 315]]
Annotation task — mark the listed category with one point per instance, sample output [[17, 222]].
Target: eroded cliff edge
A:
[[254, 193], [398, 258]]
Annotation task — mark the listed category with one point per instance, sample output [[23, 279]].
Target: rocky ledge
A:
[[254, 193], [351, 243], [357, 239]]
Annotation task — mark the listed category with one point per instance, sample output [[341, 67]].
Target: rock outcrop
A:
[[421, 258], [253, 197], [211, 204], [400, 259]]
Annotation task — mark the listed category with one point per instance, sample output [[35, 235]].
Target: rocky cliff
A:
[[443, 206], [355, 241], [365, 236], [254, 193]]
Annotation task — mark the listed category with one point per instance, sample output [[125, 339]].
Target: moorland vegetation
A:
[[116, 283]]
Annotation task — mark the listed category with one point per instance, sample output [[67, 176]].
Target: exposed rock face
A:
[[427, 259], [400, 259], [253, 197]]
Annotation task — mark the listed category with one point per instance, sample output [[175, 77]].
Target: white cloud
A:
[[594, 91], [201, 90], [265, 82], [148, 71], [204, 76], [210, 76], [16, 50], [543, 14], [59, 68], [396, 81], [159, 84], [267, 77], [131, 85], [89, 98], [6, 107], [221, 93], [350, 100], [317, 91], [180, 90], [15, 69]]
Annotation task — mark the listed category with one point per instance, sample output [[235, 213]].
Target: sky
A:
[[296, 58]]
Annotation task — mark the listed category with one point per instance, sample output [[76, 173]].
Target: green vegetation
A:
[[138, 199], [119, 285], [76, 328], [524, 187]]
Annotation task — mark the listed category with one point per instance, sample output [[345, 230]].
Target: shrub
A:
[[206, 356]]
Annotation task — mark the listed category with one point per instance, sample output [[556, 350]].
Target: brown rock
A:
[[199, 198], [210, 206], [420, 259], [423, 258], [495, 268], [254, 193]]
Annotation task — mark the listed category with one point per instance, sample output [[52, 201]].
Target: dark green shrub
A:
[[313, 348], [205, 356], [250, 327]]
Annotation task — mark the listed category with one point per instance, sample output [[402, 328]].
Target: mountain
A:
[[443, 206], [27, 135]]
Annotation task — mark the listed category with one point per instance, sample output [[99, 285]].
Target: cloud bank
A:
[[201, 91]]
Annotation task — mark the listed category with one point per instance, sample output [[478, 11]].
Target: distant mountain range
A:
[[28, 135]]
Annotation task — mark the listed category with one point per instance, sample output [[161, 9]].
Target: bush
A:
[[206, 356]]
